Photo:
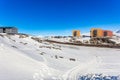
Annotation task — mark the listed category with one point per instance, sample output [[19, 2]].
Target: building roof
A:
[[7, 27]]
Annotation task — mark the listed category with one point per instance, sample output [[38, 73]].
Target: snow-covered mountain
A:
[[118, 31], [23, 58]]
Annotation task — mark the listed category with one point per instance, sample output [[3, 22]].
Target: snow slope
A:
[[15, 64], [26, 59]]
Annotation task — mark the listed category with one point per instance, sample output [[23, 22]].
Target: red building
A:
[[107, 33]]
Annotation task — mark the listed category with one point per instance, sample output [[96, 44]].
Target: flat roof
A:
[[7, 27]]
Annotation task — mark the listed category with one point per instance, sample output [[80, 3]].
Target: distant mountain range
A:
[[118, 31]]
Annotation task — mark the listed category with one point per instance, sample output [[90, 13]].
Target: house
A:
[[8, 30]]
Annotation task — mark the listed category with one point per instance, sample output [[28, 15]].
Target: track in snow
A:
[[81, 69]]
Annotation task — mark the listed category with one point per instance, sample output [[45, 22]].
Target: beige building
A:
[[76, 33], [96, 32]]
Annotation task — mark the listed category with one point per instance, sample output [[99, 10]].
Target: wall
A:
[[8, 30], [12, 30], [99, 32], [1, 30], [109, 33], [77, 33]]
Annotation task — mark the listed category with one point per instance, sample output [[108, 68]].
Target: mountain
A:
[[118, 31]]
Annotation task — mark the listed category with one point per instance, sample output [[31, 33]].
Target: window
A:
[[95, 33], [4, 30]]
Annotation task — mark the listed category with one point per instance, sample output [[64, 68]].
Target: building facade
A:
[[8, 30], [108, 33], [96, 32], [99, 33], [76, 33]]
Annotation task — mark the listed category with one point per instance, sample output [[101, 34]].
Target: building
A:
[[99, 33], [96, 32], [8, 30], [76, 33], [108, 33]]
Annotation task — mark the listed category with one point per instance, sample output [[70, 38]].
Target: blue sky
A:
[[59, 17]]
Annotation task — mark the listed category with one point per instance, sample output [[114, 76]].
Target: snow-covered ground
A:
[[60, 39], [71, 40], [26, 59]]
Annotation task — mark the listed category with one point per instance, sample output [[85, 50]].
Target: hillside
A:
[[22, 58]]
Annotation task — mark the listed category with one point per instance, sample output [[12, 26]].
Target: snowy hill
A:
[[22, 58]]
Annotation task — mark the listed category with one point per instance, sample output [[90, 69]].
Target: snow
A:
[[86, 34], [26, 59], [60, 39], [117, 41], [83, 39], [69, 40], [16, 66], [116, 33], [116, 38]]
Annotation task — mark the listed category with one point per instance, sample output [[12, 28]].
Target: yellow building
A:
[[76, 33], [96, 32]]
